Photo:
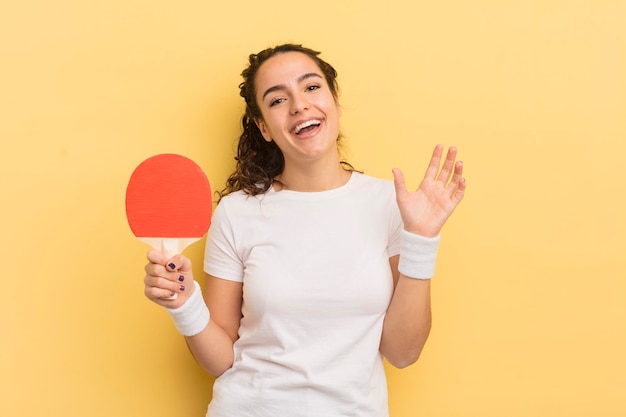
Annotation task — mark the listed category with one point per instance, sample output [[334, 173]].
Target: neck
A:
[[312, 178]]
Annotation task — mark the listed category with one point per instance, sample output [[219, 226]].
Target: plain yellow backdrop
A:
[[530, 293]]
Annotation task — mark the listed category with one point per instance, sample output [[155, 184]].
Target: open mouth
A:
[[306, 126]]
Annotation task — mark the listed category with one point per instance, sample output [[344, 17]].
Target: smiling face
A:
[[299, 111]]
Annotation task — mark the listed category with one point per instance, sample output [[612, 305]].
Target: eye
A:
[[276, 101], [313, 87]]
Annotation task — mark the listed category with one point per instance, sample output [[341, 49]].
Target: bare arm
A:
[[408, 320], [212, 347], [424, 212]]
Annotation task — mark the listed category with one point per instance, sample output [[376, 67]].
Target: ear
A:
[[263, 129]]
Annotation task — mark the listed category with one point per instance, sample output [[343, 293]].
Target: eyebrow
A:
[[283, 87]]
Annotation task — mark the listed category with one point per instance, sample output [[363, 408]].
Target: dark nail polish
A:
[[181, 278], [182, 288], [172, 265], [172, 293]]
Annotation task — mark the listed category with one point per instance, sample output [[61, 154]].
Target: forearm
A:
[[210, 344], [407, 322], [212, 349]]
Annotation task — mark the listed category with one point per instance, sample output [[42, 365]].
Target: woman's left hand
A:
[[426, 210]]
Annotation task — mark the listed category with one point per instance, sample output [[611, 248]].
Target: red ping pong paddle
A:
[[168, 203]]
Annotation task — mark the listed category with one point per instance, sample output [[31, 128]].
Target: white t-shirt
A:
[[316, 287]]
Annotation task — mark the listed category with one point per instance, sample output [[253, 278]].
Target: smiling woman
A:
[[303, 74], [300, 113], [314, 272]]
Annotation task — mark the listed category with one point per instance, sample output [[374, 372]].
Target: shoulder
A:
[[237, 199], [362, 181], [228, 204]]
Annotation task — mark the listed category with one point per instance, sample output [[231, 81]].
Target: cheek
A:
[[332, 105], [336, 109], [337, 105]]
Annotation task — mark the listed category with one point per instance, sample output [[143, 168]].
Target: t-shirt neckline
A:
[[316, 194]]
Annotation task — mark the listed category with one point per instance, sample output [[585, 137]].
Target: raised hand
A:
[[426, 210]]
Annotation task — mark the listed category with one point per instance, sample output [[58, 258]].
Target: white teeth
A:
[[305, 125]]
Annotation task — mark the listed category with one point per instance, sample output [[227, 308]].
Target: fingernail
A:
[[172, 293], [182, 288], [181, 278], [172, 265]]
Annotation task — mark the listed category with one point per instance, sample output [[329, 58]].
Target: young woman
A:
[[315, 272]]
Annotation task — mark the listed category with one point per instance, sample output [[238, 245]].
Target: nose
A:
[[299, 103]]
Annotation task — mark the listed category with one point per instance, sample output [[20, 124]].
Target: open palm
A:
[[426, 210]]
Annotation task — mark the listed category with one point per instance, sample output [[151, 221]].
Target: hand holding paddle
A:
[[168, 203]]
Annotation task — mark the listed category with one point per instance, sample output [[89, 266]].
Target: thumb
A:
[[156, 257], [399, 182], [179, 263]]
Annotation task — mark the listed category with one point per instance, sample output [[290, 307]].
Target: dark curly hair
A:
[[259, 161]]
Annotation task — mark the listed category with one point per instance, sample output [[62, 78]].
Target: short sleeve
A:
[[220, 255]]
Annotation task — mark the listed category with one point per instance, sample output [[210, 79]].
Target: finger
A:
[[155, 269], [457, 186], [448, 164], [459, 193], [172, 297], [169, 280], [171, 285], [456, 177], [399, 183], [174, 263], [435, 160], [179, 263], [157, 294], [156, 257], [158, 276]]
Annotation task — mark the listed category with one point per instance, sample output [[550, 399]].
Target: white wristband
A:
[[418, 255], [193, 316]]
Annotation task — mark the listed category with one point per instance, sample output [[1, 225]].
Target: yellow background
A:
[[530, 295]]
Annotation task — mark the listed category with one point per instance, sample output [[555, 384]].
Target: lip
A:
[[307, 134]]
